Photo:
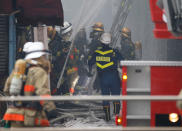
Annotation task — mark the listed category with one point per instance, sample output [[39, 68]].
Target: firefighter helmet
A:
[[138, 45], [67, 28], [98, 26], [106, 38], [126, 32], [34, 50]]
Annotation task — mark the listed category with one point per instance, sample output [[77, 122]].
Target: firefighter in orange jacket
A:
[[35, 67]]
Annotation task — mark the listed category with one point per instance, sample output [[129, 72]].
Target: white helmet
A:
[[58, 28], [34, 50], [67, 28], [105, 38]]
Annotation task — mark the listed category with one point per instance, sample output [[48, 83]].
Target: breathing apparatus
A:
[[18, 77]]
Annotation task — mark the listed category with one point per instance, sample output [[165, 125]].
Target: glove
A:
[[52, 114]]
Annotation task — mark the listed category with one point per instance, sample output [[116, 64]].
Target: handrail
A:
[[93, 98], [151, 63], [96, 129]]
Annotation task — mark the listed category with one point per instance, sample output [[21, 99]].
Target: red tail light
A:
[[118, 120], [125, 77]]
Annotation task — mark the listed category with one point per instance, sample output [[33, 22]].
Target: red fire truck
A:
[[151, 78], [155, 77], [166, 15]]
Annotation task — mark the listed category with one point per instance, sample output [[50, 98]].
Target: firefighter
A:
[[71, 70], [59, 49], [106, 60], [81, 44], [97, 31], [138, 50], [55, 47], [30, 78], [127, 46]]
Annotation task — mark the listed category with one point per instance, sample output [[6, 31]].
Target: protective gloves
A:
[[52, 114]]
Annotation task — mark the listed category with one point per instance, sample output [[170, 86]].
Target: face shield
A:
[[96, 35], [67, 36], [125, 36]]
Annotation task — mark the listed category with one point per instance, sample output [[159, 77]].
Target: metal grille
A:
[[4, 44]]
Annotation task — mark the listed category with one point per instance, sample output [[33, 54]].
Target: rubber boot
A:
[[107, 113], [116, 108]]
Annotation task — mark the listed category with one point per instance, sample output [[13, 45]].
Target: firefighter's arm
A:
[[119, 55], [42, 89], [91, 62], [91, 59]]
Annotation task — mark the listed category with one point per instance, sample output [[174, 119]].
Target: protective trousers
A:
[[110, 85], [107, 113]]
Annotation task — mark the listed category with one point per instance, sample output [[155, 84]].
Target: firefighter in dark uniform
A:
[[59, 49], [71, 70], [106, 60], [127, 46], [97, 31], [81, 43]]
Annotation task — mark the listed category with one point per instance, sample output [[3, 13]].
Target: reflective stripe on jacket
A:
[[36, 84], [105, 58]]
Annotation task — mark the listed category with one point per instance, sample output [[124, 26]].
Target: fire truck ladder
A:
[[119, 21]]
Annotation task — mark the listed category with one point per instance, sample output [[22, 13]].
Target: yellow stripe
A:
[[105, 66], [104, 52]]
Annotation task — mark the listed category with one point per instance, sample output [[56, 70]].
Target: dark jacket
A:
[[105, 58]]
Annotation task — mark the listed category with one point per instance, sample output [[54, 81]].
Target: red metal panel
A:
[[124, 92], [156, 12], [165, 81], [160, 30]]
